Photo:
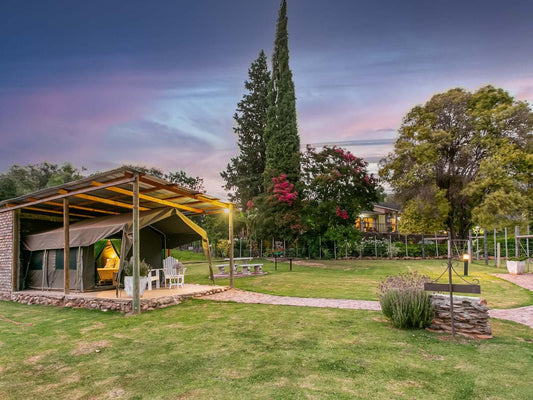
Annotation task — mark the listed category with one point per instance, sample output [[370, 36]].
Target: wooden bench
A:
[[258, 268]]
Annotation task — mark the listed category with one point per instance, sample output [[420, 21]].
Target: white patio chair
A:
[[174, 272]]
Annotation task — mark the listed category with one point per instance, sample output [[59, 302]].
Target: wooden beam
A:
[[56, 212], [152, 199], [66, 248], [64, 193], [136, 302], [106, 201], [173, 188], [215, 212], [53, 203], [39, 217]]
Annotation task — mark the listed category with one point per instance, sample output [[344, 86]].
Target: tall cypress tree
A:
[[244, 173], [281, 133]]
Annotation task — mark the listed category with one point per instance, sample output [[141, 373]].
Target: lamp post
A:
[[466, 257]]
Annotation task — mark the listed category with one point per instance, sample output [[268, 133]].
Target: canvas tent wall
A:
[[159, 228], [45, 269]]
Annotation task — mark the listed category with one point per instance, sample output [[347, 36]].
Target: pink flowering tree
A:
[[337, 187]]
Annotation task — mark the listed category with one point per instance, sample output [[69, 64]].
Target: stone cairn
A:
[[471, 316]]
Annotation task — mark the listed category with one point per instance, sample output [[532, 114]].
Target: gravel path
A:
[[242, 296]]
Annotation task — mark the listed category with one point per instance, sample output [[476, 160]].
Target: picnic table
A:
[[243, 263]]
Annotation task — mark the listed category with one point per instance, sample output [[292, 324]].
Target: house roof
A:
[[111, 193]]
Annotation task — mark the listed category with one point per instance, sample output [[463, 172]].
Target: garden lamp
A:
[[466, 257]]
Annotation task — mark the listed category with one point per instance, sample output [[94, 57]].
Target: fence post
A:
[[470, 250], [346, 248], [335, 249], [436, 245], [376, 246], [527, 248], [506, 247], [494, 233], [390, 247], [498, 261], [516, 241], [406, 251], [423, 249], [485, 246]]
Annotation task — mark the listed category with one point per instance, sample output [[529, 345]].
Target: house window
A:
[[368, 223]]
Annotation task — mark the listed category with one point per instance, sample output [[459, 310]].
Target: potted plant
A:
[[516, 265], [128, 277]]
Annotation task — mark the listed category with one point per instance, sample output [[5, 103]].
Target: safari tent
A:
[[141, 215], [160, 229]]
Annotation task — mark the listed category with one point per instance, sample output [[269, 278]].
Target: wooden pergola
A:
[[110, 193]]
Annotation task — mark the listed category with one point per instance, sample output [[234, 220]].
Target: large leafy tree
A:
[[462, 159], [244, 173], [337, 188], [20, 180], [281, 132]]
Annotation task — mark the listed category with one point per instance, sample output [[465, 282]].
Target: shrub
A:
[[223, 247], [144, 267], [404, 301]]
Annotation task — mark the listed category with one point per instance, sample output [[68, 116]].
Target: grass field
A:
[[215, 350], [358, 279], [210, 350]]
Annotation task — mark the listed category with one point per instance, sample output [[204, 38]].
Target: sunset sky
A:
[[102, 83]]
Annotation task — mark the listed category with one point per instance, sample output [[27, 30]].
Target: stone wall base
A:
[[471, 316], [96, 303]]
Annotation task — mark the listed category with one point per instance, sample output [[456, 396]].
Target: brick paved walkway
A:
[[242, 296], [522, 315]]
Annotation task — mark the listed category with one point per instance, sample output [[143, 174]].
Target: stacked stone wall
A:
[[6, 253], [96, 303], [471, 316]]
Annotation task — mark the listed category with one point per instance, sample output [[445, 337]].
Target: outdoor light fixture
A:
[[466, 257]]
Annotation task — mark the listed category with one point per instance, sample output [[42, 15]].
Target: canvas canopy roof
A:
[[177, 227]]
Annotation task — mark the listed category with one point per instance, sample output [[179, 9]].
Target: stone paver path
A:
[[522, 315], [242, 296]]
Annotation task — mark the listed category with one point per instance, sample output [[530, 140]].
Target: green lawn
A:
[[211, 350], [358, 279]]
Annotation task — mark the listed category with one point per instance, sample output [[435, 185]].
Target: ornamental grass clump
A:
[[404, 301]]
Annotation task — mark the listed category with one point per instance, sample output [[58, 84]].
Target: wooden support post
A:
[[136, 302], [66, 250], [231, 256]]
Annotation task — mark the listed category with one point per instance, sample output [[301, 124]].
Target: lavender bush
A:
[[404, 301]]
